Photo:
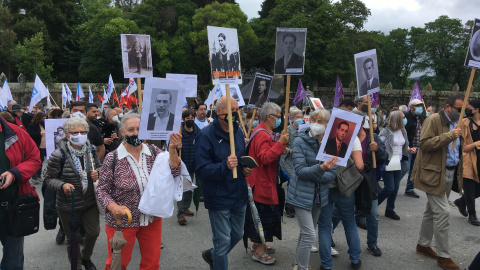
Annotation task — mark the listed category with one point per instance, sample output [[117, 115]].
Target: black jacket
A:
[[35, 132], [412, 125], [188, 147]]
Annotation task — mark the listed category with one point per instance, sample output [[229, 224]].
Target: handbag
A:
[[24, 216], [348, 178]]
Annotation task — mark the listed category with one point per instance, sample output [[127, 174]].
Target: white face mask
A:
[[98, 117], [78, 140], [115, 119], [120, 115], [78, 114], [317, 129]]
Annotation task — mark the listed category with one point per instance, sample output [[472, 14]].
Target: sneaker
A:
[[290, 214], [461, 207], [447, 263], [472, 219], [60, 239], [207, 257], [392, 215], [361, 223], [375, 251], [333, 252], [356, 265], [427, 251], [313, 249], [412, 194], [88, 265]]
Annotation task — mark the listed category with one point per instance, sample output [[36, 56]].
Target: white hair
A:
[[126, 117], [267, 109], [294, 113], [320, 114], [73, 123]]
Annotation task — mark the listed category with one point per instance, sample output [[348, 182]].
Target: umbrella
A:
[[74, 223], [118, 242], [256, 221]]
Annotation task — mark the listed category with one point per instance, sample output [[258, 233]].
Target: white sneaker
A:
[[314, 249], [334, 252]]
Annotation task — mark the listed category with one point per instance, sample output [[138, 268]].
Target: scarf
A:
[[76, 155]]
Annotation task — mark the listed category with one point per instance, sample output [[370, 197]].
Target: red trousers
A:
[[149, 239]]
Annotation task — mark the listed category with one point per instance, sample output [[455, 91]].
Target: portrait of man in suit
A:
[[335, 146], [290, 62], [162, 119], [371, 82]]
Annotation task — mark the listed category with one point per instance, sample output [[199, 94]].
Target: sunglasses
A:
[[458, 109]]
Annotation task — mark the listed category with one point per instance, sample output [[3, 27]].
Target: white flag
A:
[[5, 93], [80, 93], [49, 102], [39, 91], [64, 96], [110, 86], [105, 99], [132, 87], [69, 93], [90, 95]]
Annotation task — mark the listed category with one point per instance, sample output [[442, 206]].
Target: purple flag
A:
[[416, 94], [338, 92], [375, 99], [300, 93]]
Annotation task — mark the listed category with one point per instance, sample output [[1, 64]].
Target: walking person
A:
[[36, 130]]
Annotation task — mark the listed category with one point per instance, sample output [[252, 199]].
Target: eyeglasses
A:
[[276, 116], [78, 132], [458, 109]]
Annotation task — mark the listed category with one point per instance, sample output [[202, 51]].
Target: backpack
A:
[[348, 178]]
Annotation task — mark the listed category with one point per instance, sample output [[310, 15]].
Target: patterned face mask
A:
[[133, 140]]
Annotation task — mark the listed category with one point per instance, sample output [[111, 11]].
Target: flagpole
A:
[[180, 150], [251, 123], [465, 101], [53, 99], [140, 95], [287, 101], [243, 127], [370, 123], [230, 126]]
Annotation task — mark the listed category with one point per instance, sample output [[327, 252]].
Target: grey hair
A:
[[126, 117], [66, 114], [108, 111], [403, 108], [267, 109], [433, 108], [357, 99], [73, 123], [294, 113], [394, 120], [11, 102], [320, 114]]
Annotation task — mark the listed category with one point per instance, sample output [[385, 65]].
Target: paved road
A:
[[183, 244]]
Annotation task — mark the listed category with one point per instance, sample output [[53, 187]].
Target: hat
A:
[[16, 108], [415, 102]]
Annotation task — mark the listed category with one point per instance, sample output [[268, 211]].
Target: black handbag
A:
[[24, 216]]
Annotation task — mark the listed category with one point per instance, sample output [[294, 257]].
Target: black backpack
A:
[[24, 216]]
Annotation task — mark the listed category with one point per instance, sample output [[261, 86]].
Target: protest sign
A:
[[367, 72], [261, 87], [136, 56], [53, 134], [290, 51], [189, 81], [224, 55]]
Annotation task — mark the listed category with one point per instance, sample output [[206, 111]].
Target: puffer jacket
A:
[[56, 176], [307, 173], [188, 147]]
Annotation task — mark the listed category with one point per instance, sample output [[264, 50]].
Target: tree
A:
[[31, 59]]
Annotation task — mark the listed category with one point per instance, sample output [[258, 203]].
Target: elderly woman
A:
[[266, 151], [308, 189], [75, 166], [395, 138], [123, 178]]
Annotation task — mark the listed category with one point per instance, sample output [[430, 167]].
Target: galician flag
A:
[[38, 93], [301, 94], [69, 93], [110, 87], [338, 93], [416, 94], [49, 102], [80, 93], [104, 100], [90, 95], [132, 87], [5, 94], [64, 96]]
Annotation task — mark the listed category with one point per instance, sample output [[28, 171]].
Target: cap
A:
[[415, 102], [16, 108]]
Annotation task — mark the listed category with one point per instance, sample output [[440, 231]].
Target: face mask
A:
[[234, 117], [404, 121], [190, 123], [454, 115], [469, 112], [374, 110], [299, 122], [120, 115], [133, 140], [277, 123], [98, 117], [214, 108], [418, 110], [317, 129], [78, 140], [115, 119], [255, 123], [78, 114], [365, 108], [428, 113]]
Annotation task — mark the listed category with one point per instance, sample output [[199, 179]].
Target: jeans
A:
[[411, 160], [391, 181], [345, 207], [12, 249], [306, 221], [372, 225], [227, 230]]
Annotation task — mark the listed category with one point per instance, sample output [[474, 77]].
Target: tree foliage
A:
[[31, 59]]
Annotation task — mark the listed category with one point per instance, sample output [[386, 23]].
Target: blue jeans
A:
[[372, 224], [345, 208], [411, 159], [227, 229], [12, 249], [391, 183]]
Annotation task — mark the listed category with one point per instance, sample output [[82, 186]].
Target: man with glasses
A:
[[434, 170], [162, 118], [201, 115]]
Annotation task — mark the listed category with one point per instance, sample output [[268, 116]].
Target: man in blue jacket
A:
[[224, 197]]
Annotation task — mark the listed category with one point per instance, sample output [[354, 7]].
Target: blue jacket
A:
[[307, 173], [212, 149], [188, 147]]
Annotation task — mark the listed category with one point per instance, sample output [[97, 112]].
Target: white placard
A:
[[189, 81], [260, 89], [316, 103], [224, 55], [53, 133], [290, 51], [136, 56], [234, 93], [366, 66], [473, 53]]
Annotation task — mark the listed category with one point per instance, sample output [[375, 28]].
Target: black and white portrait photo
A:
[[261, 87], [367, 72], [53, 134], [161, 109], [290, 51], [224, 55], [234, 93], [136, 56], [473, 53]]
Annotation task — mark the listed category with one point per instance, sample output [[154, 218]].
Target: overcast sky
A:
[[391, 14]]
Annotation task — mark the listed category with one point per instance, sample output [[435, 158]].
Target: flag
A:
[[186, 104], [69, 93], [38, 93], [90, 95], [64, 96], [110, 86], [301, 94], [5, 94], [338, 93], [131, 99], [116, 98], [132, 87], [100, 98], [375, 99], [104, 99], [49, 102], [80, 93], [416, 94]]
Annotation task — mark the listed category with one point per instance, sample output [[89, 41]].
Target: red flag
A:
[[131, 99], [116, 98], [100, 97]]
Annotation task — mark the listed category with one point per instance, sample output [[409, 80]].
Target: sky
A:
[[387, 15]]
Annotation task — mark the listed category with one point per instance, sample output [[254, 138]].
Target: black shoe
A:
[[461, 207], [472, 219], [375, 251], [323, 268], [333, 243], [392, 215], [60, 239], [356, 265], [361, 223], [88, 265], [412, 194], [207, 257]]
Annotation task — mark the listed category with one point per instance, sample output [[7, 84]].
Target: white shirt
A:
[[398, 142], [357, 145], [161, 123], [201, 124]]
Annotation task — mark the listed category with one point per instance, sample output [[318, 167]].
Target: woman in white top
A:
[[396, 145]]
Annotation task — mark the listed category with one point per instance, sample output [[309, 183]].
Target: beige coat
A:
[[429, 170], [470, 169]]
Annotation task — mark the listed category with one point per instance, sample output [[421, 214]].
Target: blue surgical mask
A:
[[374, 110], [277, 123], [404, 121], [428, 113], [214, 108], [418, 110], [298, 122], [255, 123]]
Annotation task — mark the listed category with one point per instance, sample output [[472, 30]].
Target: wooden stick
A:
[[140, 95], [287, 101], [53, 100], [370, 123], [425, 108], [465, 101], [243, 127], [230, 126], [251, 123]]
